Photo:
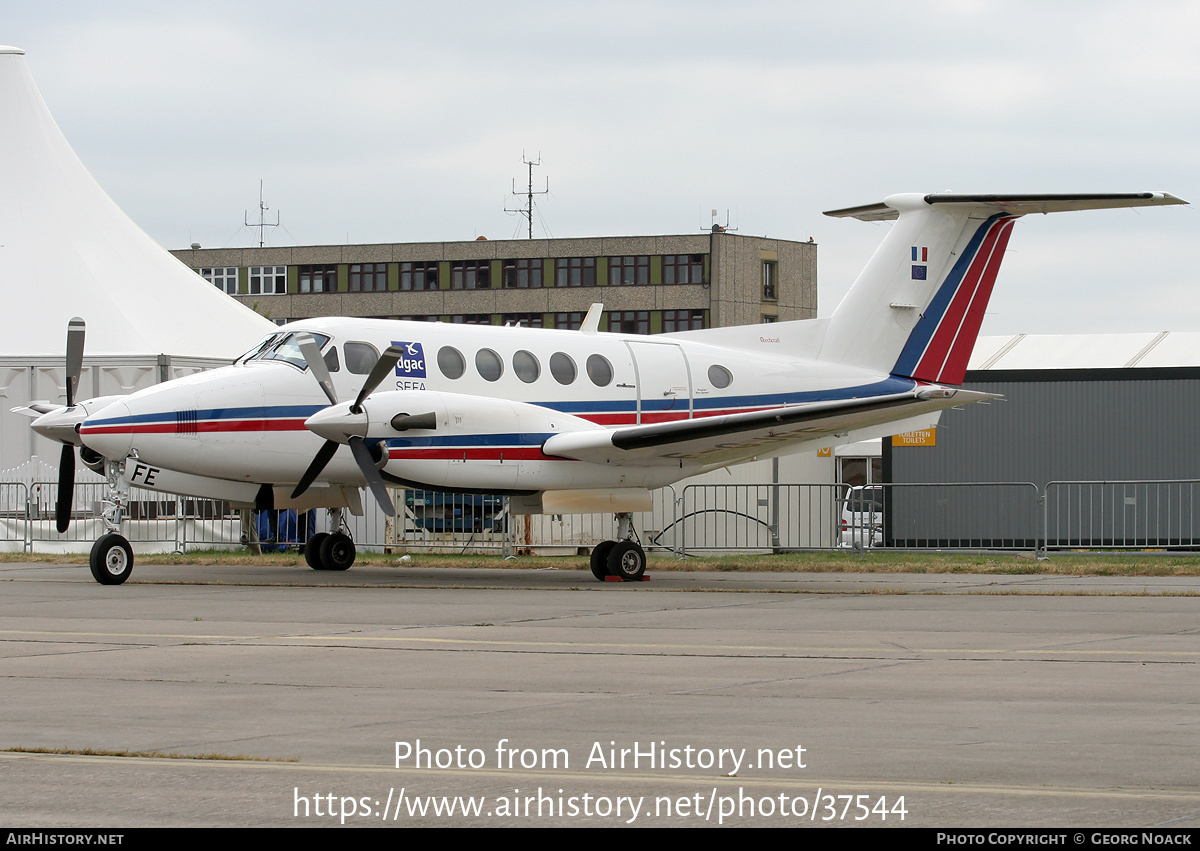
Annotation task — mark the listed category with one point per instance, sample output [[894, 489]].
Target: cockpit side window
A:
[[360, 357]]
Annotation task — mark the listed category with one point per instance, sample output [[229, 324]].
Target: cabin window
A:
[[489, 365], [526, 366], [719, 377], [360, 357], [599, 370], [562, 368], [451, 362], [331, 360]]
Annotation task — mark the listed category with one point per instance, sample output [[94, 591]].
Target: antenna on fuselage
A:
[[527, 210], [263, 224]]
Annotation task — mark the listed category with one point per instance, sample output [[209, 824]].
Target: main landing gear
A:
[[623, 559], [330, 550]]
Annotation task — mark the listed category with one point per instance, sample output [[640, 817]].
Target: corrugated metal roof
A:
[[1087, 351]]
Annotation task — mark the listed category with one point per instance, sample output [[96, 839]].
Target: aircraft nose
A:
[[109, 431], [59, 425]]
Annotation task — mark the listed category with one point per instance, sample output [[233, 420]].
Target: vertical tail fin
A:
[[916, 309]]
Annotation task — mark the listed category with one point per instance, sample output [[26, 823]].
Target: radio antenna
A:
[[527, 210]]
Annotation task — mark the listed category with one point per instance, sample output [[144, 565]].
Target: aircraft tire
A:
[[627, 560], [312, 550], [600, 559], [111, 559], [337, 552]]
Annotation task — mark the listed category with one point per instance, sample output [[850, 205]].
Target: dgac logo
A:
[[412, 362]]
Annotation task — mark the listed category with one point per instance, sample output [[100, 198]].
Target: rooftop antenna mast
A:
[[527, 210], [263, 224]]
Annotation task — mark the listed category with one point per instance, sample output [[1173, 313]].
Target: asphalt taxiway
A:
[[544, 697]]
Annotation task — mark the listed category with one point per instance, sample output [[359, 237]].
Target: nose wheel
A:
[[111, 559]]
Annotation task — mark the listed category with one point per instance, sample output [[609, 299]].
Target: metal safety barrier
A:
[[767, 517], [1123, 514]]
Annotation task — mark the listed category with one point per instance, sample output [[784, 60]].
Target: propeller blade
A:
[[328, 448], [367, 465], [75, 334], [385, 364], [66, 487], [316, 363]]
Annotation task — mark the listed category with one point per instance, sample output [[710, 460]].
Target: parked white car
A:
[[862, 518]]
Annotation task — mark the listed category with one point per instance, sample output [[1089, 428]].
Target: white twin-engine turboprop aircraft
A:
[[562, 421]]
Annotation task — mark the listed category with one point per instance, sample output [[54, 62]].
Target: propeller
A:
[[351, 428], [57, 422]]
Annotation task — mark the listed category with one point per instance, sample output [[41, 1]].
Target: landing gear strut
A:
[[111, 559], [330, 550], [624, 558]]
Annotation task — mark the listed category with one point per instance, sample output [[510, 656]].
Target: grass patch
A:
[[148, 754]]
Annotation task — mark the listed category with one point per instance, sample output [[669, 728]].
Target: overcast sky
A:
[[396, 122]]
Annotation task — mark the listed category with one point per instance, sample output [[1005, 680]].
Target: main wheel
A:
[[111, 559], [312, 550], [600, 559], [627, 560], [337, 552]]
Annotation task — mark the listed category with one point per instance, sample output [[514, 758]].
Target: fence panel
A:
[[14, 517], [1123, 514], [767, 517], [962, 516]]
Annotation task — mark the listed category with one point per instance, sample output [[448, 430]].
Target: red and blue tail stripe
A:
[[940, 345]]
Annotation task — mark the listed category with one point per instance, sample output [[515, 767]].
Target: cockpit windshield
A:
[[259, 349], [284, 347]]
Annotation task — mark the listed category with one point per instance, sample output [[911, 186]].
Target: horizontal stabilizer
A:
[[1019, 205]]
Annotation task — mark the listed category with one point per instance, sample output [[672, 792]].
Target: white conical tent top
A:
[[67, 250]]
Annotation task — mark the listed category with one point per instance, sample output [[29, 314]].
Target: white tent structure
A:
[[67, 250]]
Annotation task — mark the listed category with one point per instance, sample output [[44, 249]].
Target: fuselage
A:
[[498, 394]]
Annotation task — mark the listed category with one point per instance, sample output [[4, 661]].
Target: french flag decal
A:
[[920, 254]]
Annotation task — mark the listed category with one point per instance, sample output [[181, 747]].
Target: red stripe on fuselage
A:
[[205, 426]]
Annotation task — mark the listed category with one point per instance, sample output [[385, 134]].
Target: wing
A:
[[729, 439]]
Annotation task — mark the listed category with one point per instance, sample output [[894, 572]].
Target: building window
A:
[[524, 320], [769, 318], [575, 272], [223, 278], [522, 273], [629, 270], [683, 269], [470, 275], [318, 279], [418, 318], [418, 276], [470, 319], [629, 321], [770, 275], [569, 321], [368, 277], [268, 280], [683, 320]]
